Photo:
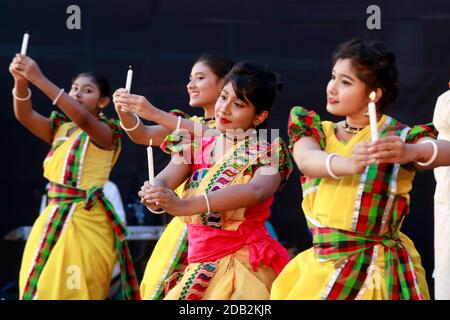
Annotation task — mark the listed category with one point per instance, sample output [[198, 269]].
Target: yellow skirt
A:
[[305, 278], [233, 280], [81, 262]]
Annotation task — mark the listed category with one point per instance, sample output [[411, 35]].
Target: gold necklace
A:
[[349, 129]]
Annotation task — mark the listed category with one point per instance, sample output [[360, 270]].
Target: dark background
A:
[[162, 38]]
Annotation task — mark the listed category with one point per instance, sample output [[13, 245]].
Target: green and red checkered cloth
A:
[[357, 250]]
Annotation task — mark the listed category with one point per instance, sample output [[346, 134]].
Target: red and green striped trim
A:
[[49, 238]]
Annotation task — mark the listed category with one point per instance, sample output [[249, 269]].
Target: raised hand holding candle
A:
[[151, 172], [373, 117], [129, 79], [23, 50]]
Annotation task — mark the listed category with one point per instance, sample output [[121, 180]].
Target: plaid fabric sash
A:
[[355, 251], [67, 197]]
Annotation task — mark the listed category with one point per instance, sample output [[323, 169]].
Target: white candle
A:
[[373, 117], [23, 50], [129, 78], [151, 172]]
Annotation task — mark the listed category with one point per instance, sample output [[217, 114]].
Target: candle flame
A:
[[150, 142], [372, 95], [129, 67]]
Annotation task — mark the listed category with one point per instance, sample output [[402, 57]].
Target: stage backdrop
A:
[[161, 39]]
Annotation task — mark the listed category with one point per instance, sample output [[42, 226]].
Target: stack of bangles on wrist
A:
[[433, 157], [135, 126], [21, 99], [328, 166]]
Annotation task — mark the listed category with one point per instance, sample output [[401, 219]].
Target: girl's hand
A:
[[13, 66], [361, 157], [143, 193], [392, 149], [120, 107], [161, 198], [27, 68], [135, 104]]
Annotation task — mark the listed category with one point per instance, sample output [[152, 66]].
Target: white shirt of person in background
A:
[[441, 121]]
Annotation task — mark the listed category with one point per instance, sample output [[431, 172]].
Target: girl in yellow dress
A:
[[356, 191], [73, 245], [204, 86], [227, 199]]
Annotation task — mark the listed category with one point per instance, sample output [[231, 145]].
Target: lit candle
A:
[[129, 78], [151, 172], [23, 50], [373, 117]]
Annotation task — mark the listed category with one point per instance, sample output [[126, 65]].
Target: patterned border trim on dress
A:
[[82, 157], [414, 275], [195, 287], [310, 186], [169, 265], [373, 262], [41, 241], [66, 157], [393, 185], [332, 281]]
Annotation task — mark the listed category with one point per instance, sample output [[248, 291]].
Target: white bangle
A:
[[58, 96], [161, 211], [21, 99], [328, 166], [433, 157], [135, 126], [208, 206]]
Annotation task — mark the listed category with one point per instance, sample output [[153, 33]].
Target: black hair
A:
[[255, 84], [100, 81], [375, 66], [219, 65]]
